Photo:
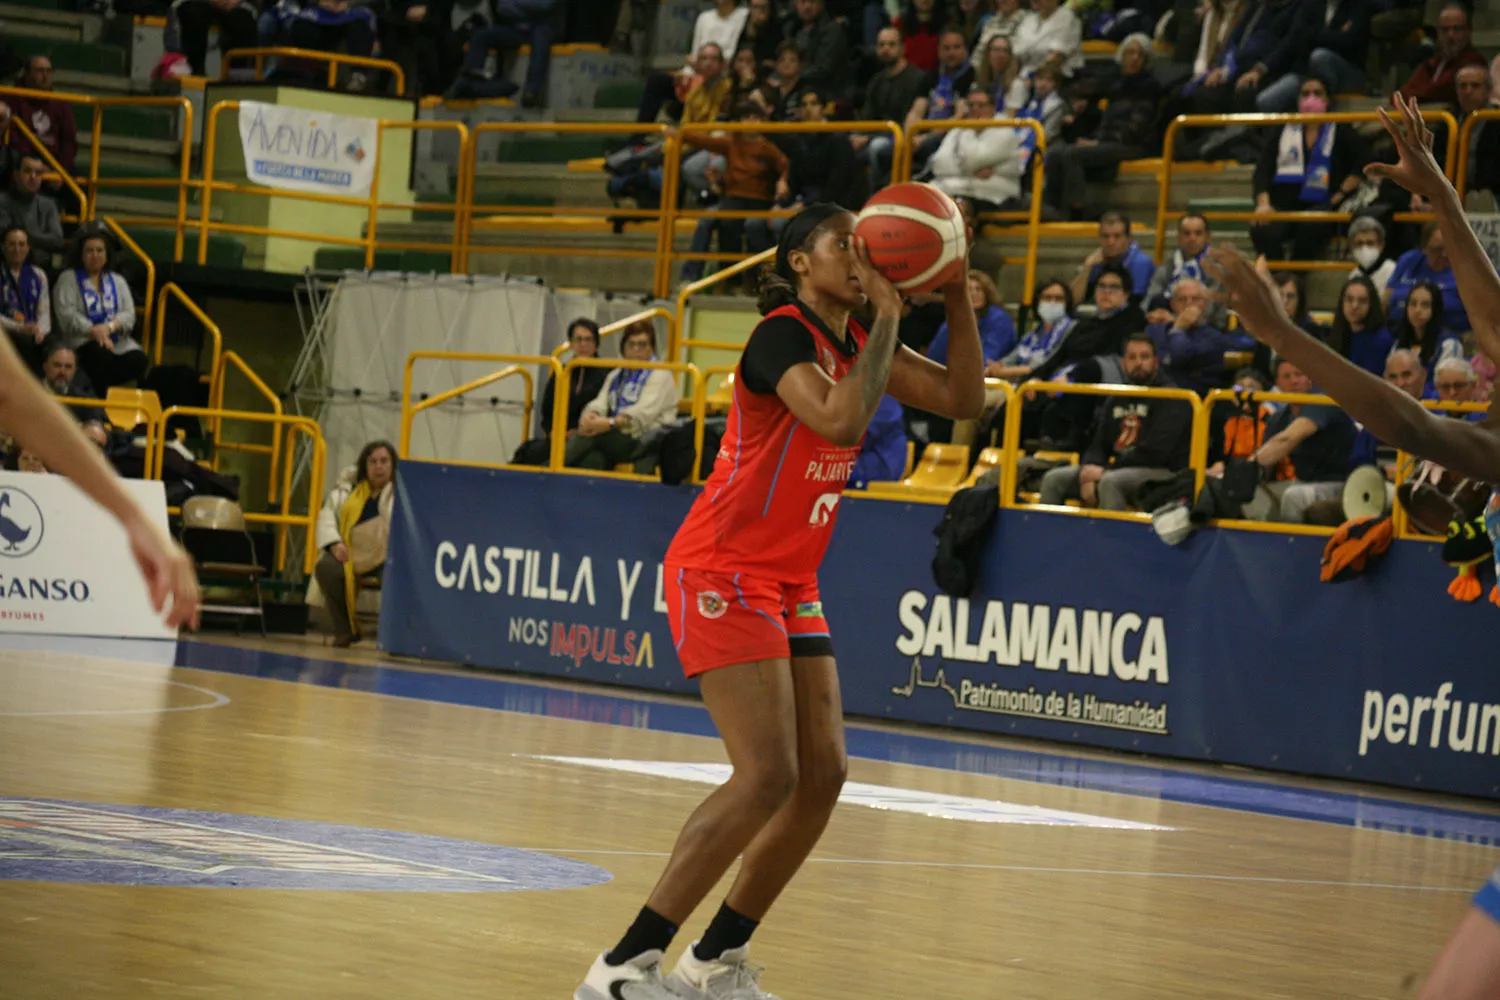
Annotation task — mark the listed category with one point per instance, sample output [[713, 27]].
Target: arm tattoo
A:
[[874, 364]]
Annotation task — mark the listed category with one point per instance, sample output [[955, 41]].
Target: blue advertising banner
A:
[[1226, 648]]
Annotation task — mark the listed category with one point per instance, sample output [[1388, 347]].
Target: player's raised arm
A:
[[1418, 172], [955, 390], [40, 423], [1390, 414]]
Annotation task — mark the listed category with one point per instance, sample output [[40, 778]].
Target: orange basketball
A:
[[917, 236]]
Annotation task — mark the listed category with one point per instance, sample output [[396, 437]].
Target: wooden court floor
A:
[[1081, 893]]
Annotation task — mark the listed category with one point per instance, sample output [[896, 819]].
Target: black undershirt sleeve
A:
[[776, 345]]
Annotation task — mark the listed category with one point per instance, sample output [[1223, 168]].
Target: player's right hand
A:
[[1250, 293], [876, 286], [1417, 170], [168, 571]]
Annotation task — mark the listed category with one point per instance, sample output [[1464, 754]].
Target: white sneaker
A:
[[728, 977], [637, 979]]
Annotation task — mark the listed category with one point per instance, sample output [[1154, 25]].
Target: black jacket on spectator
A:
[[1266, 35], [1130, 116], [1094, 336], [825, 53], [1350, 154], [764, 43], [824, 168], [585, 385], [888, 98], [1140, 432], [1348, 33]]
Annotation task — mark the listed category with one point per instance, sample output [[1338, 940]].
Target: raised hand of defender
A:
[[1417, 170], [876, 286], [1249, 292]]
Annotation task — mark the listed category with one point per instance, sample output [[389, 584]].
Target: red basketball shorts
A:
[[720, 619]]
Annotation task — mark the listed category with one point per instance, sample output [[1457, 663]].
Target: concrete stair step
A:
[[97, 84], [25, 19], [131, 205]]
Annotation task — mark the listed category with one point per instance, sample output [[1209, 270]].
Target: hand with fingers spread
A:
[[1417, 170], [1251, 293]]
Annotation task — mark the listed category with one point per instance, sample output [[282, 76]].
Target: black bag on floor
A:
[[675, 460], [962, 535], [537, 451]]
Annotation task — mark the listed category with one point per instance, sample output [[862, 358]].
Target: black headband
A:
[[795, 235]]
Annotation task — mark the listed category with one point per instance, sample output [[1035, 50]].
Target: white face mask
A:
[[1365, 256], [1051, 312]]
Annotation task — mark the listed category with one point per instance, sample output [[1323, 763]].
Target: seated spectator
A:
[[23, 459], [789, 84], [1293, 291], [1475, 94], [332, 26], [1218, 21], [1137, 441], [61, 375], [1485, 375], [1435, 81], [882, 454], [982, 164], [997, 332], [968, 16], [1054, 311], [889, 96], [984, 253], [1115, 247], [1419, 328], [235, 20], [1044, 104], [50, 120], [584, 384], [351, 536], [10, 156], [1454, 381], [707, 100], [721, 27], [517, 23], [998, 73], [825, 51], [1260, 49], [1429, 262], [25, 206], [1003, 22], [1403, 369], [1237, 428], [921, 23], [94, 313], [632, 403], [1359, 332], [1317, 439], [762, 33], [755, 175], [1303, 169], [822, 169], [1104, 333], [25, 305], [1339, 33], [1367, 249], [1052, 36], [1193, 241], [417, 36], [748, 80], [1190, 349], [942, 90]]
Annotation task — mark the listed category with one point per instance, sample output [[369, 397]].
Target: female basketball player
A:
[[1469, 968], [742, 593], [40, 423]]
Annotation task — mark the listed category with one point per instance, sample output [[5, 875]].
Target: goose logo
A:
[[20, 523], [823, 509]]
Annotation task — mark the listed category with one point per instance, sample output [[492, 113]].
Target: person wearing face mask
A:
[[1054, 313], [1428, 262], [1305, 168], [1366, 238]]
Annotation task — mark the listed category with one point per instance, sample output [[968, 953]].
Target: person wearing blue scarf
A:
[[633, 403], [25, 307], [1304, 168], [1054, 308], [95, 313], [1047, 108]]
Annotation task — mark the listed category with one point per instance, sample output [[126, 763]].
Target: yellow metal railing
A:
[[61, 174], [410, 408], [89, 403], [676, 343], [1460, 174], [1164, 195], [560, 406], [216, 402], [150, 265], [335, 60], [171, 291], [467, 387], [621, 325], [455, 246]]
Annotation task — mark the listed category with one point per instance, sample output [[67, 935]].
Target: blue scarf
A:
[[1027, 137], [101, 308], [941, 104], [1294, 163], [627, 387], [1038, 345], [1189, 267], [21, 298]]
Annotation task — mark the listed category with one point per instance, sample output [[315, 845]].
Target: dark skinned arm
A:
[[955, 391]]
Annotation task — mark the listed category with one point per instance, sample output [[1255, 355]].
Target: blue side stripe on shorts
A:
[[681, 618], [741, 595]]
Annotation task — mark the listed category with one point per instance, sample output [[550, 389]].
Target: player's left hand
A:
[[1249, 293], [1417, 170], [168, 571]]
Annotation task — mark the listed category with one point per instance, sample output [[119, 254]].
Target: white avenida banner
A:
[[65, 563], [305, 150]]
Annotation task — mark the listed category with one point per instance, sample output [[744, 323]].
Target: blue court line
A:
[[509, 694]]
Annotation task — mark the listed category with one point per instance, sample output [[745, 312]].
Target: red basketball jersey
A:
[[769, 506]]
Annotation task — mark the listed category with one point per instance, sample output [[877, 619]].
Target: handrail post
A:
[[97, 134], [667, 219], [1163, 194], [205, 204]]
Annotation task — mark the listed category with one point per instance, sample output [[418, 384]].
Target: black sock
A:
[[728, 930], [650, 930]]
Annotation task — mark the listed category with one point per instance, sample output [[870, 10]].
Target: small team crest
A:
[[829, 364], [711, 604], [812, 609]]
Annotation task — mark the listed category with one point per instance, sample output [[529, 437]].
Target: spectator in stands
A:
[[1052, 36], [49, 119], [1419, 328], [825, 51], [748, 80], [1261, 49], [1193, 241], [24, 205], [1435, 81], [1127, 131], [1475, 94], [1485, 375], [755, 175], [61, 375], [984, 253], [419, 37], [921, 24], [1359, 332], [632, 403], [25, 305], [1115, 247], [714, 27], [1218, 23], [1054, 311], [332, 26], [1045, 104], [786, 95], [706, 101], [1305, 169], [351, 534], [1367, 249], [762, 33], [10, 156], [997, 333], [721, 25], [822, 169], [982, 164], [1338, 34], [1454, 381], [235, 20], [22, 459], [517, 23], [1429, 262], [1237, 428], [889, 95], [942, 90], [1137, 441], [882, 454], [1293, 288], [998, 72], [94, 312], [1004, 21], [1190, 348], [583, 385], [1403, 369], [1317, 439]]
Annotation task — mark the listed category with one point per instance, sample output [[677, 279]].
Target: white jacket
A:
[[657, 406], [1036, 39], [965, 152], [328, 518]]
